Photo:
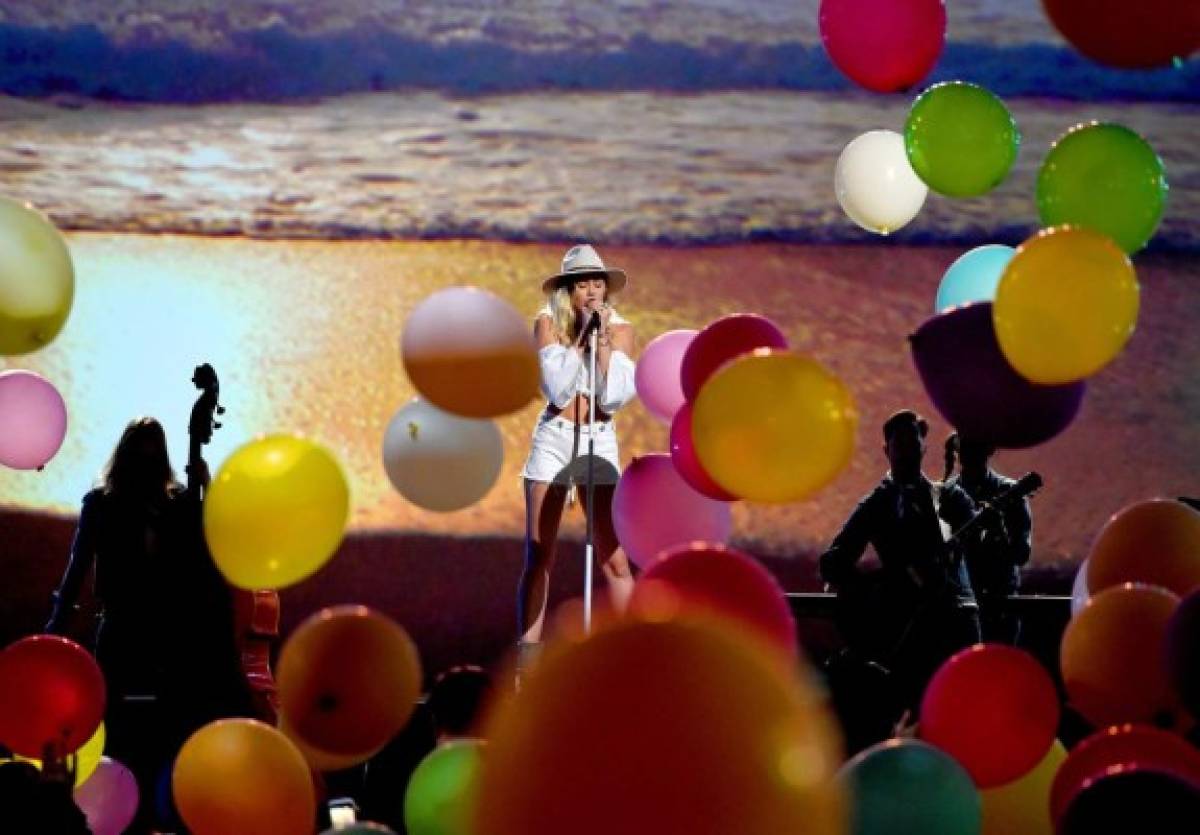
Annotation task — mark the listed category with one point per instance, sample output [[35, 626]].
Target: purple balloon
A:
[[654, 509], [977, 391], [109, 798], [33, 420], [657, 377]]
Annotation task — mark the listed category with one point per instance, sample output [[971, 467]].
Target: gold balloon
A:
[[649, 728], [1066, 305], [1022, 807], [773, 426], [349, 678], [37, 279], [276, 512], [239, 775]]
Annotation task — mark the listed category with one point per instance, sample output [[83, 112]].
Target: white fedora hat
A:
[[580, 261]]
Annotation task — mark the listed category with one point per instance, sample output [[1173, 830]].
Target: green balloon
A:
[[441, 792], [961, 140], [1104, 177], [908, 786]]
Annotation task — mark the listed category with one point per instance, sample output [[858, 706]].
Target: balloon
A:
[[441, 793], [1079, 589], [51, 692], [905, 785], [683, 456], [109, 799], [883, 45], [348, 678], [976, 390], [657, 376], [1106, 178], [33, 419], [875, 183], [1066, 305], [37, 279], [1155, 542], [960, 139], [973, 277], [470, 353], [1118, 33], [1183, 651], [654, 509], [276, 512], [1113, 656], [1022, 806], [1114, 746], [239, 775], [721, 341], [440, 461], [1014, 692], [1132, 798], [774, 427], [318, 760], [711, 580], [645, 728]]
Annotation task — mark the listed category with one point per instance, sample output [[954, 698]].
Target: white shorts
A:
[[559, 453]]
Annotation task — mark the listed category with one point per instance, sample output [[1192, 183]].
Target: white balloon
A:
[[440, 461], [875, 182]]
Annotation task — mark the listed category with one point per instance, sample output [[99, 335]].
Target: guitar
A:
[[255, 613]]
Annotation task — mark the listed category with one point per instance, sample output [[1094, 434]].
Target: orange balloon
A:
[[1155, 542], [470, 353], [348, 678], [319, 760], [651, 728], [239, 775], [1113, 657]]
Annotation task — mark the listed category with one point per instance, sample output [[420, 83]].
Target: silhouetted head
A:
[[456, 698], [904, 444], [140, 464], [974, 453]]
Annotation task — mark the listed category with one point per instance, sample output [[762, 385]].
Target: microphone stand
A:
[[588, 554]]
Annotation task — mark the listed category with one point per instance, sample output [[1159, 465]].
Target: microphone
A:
[[592, 324]]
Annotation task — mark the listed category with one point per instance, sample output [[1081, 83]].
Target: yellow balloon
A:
[[1066, 305], [37, 279], [773, 426], [276, 512], [87, 758], [1022, 807]]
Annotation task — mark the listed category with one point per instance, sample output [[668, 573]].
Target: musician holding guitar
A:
[[925, 609]]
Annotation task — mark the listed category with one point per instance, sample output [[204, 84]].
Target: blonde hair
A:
[[562, 314]]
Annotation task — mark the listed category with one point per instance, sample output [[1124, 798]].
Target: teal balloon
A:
[[905, 786], [441, 792], [1107, 178], [973, 277], [960, 139]]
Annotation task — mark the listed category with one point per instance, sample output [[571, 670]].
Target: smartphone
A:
[[343, 812]]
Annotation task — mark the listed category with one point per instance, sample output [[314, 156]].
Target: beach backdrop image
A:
[[272, 188]]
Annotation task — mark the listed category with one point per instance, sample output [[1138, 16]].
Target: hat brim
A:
[[616, 279]]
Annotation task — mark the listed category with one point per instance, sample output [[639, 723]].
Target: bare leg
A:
[[543, 512], [611, 559]]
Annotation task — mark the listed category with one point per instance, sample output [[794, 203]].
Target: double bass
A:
[[255, 613]]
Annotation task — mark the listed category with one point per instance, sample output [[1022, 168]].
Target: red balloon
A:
[[683, 456], [884, 45], [1121, 33], [51, 691], [1132, 798], [709, 579], [1147, 746], [994, 709], [723, 340]]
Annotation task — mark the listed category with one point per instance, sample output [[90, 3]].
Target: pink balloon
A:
[[884, 45], [33, 420], [723, 340], [683, 456], [109, 798], [654, 509], [715, 580], [657, 377]]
